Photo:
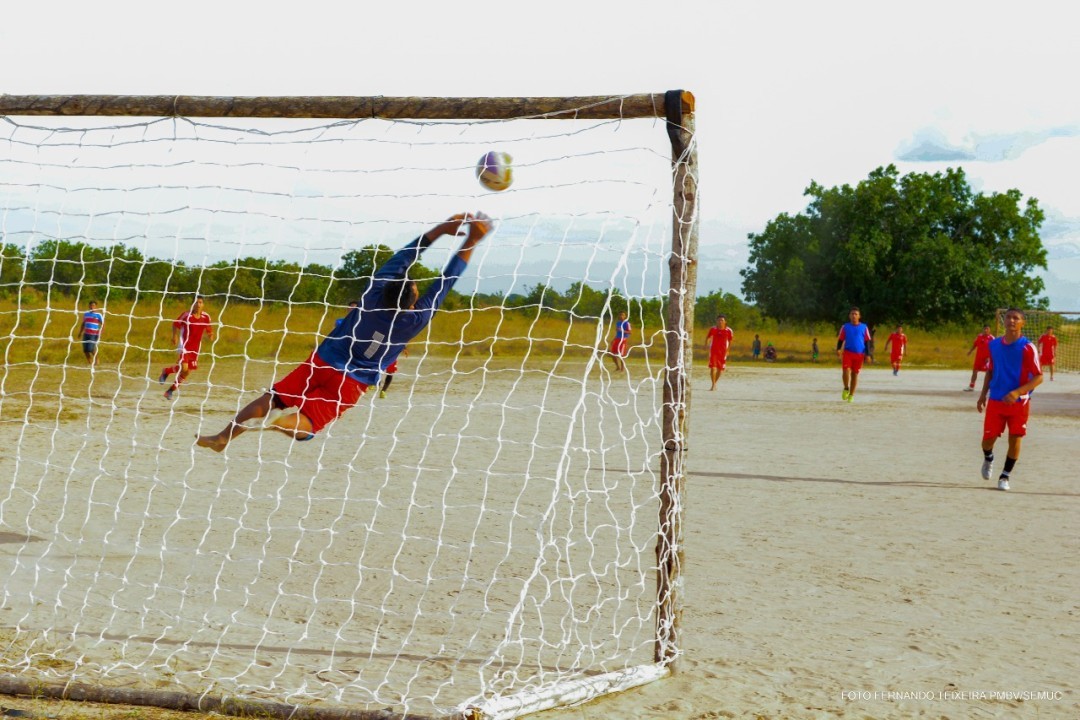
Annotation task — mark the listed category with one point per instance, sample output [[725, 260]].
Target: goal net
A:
[[1056, 334], [495, 533]]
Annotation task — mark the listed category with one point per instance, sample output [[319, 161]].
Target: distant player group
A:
[[1011, 364]]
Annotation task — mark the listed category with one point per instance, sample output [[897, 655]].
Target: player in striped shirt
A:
[[187, 336], [1006, 395], [90, 329]]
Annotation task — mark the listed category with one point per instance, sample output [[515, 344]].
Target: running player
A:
[[620, 346], [187, 335], [898, 341], [90, 329], [851, 347], [1006, 395], [1048, 350], [391, 312], [719, 338], [982, 356]]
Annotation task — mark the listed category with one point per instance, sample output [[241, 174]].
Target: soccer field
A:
[[832, 549]]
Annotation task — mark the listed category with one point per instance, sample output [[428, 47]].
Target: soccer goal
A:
[[496, 531], [1057, 328]]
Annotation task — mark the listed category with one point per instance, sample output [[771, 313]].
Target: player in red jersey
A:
[[718, 342], [187, 336], [1048, 350], [982, 355], [898, 341]]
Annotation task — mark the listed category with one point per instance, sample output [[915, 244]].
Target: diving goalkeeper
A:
[[391, 312]]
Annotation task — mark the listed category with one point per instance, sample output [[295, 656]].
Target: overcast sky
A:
[[787, 91]]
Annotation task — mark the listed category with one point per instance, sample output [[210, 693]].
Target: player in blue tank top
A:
[[851, 347], [1006, 395]]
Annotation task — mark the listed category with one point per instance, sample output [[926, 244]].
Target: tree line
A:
[[71, 267]]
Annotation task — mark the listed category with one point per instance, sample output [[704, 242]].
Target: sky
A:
[[787, 92]]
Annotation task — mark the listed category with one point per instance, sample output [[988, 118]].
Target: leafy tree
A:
[[357, 267], [739, 314], [585, 301], [12, 263], [922, 248]]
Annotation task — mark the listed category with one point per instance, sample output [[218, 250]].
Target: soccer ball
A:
[[494, 171]]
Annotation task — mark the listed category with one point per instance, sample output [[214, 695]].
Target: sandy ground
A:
[[843, 560], [848, 561]]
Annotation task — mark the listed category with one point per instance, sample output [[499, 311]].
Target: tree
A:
[[718, 302], [357, 267], [12, 264], [922, 248]]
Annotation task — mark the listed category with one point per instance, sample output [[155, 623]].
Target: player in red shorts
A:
[[1006, 395], [851, 347], [187, 336], [391, 312], [982, 355], [1048, 350], [390, 371], [620, 346], [898, 341], [718, 342]]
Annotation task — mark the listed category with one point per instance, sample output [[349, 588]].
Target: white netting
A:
[[1055, 333], [488, 527]]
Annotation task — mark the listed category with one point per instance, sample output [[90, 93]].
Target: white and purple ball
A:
[[495, 171]]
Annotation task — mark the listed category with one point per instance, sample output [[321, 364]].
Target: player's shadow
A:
[[875, 483]]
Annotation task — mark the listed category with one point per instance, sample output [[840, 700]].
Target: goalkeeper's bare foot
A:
[[217, 443]]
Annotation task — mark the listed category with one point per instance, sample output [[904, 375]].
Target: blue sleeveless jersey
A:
[[1012, 365]]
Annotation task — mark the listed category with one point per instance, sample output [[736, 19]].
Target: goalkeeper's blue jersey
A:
[[370, 338]]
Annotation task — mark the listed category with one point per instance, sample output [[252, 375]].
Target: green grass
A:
[[38, 330]]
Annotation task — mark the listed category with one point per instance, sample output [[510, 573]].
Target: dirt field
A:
[[843, 560]]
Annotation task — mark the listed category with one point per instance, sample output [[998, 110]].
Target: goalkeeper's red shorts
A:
[[318, 390]]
